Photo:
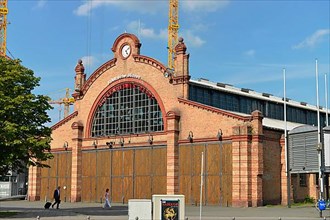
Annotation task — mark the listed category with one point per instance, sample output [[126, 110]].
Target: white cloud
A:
[[149, 7], [40, 4], [89, 61], [191, 39], [143, 31], [313, 40], [203, 5], [249, 53]]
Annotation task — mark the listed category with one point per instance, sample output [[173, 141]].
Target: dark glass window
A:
[[127, 109], [302, 179], [239, 103]]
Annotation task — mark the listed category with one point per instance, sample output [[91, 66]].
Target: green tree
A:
[[24, 136]]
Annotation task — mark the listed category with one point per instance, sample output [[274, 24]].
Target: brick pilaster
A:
[[172, 186], [247, 153], [257, 162], [241, 149], [284, 178], [76, 171], [34, 183]]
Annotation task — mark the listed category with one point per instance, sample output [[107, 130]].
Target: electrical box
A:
[[139, 209], [168, 207]]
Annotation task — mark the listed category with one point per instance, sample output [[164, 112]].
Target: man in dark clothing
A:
[[57, 197]]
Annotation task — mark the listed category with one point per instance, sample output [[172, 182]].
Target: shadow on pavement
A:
[[29, 212]]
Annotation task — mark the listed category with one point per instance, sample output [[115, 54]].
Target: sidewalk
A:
[[93, 211]]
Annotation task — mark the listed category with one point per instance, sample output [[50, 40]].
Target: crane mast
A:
[[3, 26], [67, 101], [173, 27]]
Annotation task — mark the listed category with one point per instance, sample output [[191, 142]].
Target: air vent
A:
[[221, 85], [203, 79], [266, 94], [245, 90]]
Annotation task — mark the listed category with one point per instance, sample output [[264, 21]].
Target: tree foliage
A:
[[24, 136]]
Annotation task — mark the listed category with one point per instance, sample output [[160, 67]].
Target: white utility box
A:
[[168, 207], [139, 209]]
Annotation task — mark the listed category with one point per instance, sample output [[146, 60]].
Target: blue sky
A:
[[243, 43]]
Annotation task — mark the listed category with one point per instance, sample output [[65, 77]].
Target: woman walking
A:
[[106, 197]]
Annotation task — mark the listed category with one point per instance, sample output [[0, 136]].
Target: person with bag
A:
[[57, 197], [107, 201]]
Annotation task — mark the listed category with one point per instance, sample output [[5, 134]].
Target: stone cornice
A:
[[150, 61], [65, 120], [180, 80], [214, 110], [97, 73]]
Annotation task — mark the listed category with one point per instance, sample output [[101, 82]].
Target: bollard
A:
[[186, 218], [38, 217], [279, 218], [88, 217], [324, 218], [136, 218], [233, 218]]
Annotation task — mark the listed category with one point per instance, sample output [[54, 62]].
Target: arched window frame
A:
[[127, 108]]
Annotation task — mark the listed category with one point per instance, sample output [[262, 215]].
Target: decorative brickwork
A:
[[172, 153], [34, 184], [76, 172]]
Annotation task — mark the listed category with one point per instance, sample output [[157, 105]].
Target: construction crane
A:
[[173, 28], [3, 26], [66, 101]]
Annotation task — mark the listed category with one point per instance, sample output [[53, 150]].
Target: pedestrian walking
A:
[[107, 201], [57, 197]]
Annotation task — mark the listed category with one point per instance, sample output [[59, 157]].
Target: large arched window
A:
[[127, 109]]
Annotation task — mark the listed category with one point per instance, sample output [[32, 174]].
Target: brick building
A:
[[139, 128]]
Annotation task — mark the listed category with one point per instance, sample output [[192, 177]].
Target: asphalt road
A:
[[73, 211]]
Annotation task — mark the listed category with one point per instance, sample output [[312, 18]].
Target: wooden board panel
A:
[[44, 188], [93, 196], [85, 158], [212, 159], [213, 196], [45, 171], [86, 189], [185, 163], [227, 175], [117, 163], [142, 188], [128, 162], [186, 188], [127, 188], [65, 191], [159, 185], [116, 186], [159, 161], [103, 184], [53, 166], [142, 162], [52, 186], [63, 163], [103, 164], [93, 156]]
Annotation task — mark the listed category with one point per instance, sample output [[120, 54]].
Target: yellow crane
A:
[[66, 101], [173, 28], [3, 26]]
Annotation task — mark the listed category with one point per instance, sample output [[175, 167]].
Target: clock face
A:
[[126, 51]]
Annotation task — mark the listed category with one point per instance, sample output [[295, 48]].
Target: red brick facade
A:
[[258, 170]]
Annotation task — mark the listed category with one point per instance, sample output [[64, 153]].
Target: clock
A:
[[126, 50]]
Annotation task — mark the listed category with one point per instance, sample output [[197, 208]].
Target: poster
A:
[[170, 210]]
